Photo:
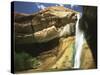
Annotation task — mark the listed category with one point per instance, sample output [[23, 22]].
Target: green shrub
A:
[[24, 61], [35, 62]]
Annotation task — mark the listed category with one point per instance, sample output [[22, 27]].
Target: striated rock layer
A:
[[45, 25], [40, 30]]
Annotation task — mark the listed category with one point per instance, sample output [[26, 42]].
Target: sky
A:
[[32, 7]]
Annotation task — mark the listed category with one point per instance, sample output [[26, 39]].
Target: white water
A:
[[79, 38], [65, 30]]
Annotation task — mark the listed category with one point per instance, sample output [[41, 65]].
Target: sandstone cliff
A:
[[51, 32]]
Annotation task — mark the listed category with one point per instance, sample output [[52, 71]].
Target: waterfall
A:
[[79, 38]]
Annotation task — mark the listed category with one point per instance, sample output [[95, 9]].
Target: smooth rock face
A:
[[50, 21], [87, 60]]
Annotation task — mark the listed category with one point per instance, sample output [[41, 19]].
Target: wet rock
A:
[[87, 60], [65, 56]]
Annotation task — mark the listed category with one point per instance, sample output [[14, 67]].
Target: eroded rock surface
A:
[[45, 25], [42, 28], [64, 58]]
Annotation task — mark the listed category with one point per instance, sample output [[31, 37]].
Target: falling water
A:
[[79, 38]]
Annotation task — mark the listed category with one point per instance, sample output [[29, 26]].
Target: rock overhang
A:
[[47, 24]]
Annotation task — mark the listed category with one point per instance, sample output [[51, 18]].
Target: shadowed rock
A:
[[88, 23]]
